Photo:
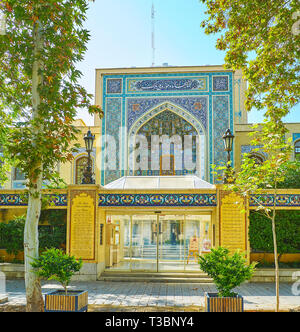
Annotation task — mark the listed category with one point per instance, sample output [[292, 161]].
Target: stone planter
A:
[[74, 301], [213, 303]]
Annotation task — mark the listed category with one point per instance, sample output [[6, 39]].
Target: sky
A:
[[121, 37]]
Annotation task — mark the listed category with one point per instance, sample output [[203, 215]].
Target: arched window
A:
[[80, 166], [297, 150], [259, 159], [18, 175], [172, 146]]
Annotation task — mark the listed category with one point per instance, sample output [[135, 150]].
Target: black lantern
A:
[[228, 140], [228, 144], [88, 173], [89, 141]]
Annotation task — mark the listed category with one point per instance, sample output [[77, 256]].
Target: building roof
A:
[[160, 183]]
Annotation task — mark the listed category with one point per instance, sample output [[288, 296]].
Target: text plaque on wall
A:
[[233, 223], [82, 224]]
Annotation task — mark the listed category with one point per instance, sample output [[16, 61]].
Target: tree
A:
[[54, 264], [261, 38], [38, 85], [228, 271], [254, 178]]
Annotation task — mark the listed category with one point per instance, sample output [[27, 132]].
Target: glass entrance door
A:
[[157, 243], [171, 250], [144, 243]]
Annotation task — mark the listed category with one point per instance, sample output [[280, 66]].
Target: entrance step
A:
[[114, 276]]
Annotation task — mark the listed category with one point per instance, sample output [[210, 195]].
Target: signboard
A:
[[82, 225]]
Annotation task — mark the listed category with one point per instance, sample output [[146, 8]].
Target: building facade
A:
[[156, 204]]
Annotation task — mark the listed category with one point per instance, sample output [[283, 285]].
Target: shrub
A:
[[53, 236], [287, 230], [227, 271], [12, 235], [53, 264]]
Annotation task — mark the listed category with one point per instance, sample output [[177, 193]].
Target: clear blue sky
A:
[[121, 37]]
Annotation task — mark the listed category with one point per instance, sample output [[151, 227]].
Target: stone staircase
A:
[[167, 252], [174, 277]]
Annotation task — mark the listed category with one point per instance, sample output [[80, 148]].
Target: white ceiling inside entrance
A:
[[160, 182]]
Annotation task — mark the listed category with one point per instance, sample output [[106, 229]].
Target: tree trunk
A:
[[34, 296], [31, 243]]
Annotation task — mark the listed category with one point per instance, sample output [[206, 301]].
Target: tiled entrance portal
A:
[[157, 242]]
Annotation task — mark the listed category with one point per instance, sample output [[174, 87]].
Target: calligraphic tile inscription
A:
[[82, 224], [233, 223]]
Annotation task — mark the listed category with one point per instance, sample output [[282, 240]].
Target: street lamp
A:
[[228, 144], [88, 173]]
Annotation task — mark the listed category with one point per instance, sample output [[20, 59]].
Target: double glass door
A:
[[160, 243]]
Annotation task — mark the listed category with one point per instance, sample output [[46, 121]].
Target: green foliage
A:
[[53, 264], [54, 217], [260, 38], [52, 236], [12, 235], [227, 271], [39, 90], [287, 231], [292, 178]]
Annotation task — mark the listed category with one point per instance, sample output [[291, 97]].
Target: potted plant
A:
[[227, 271], [54, 264]]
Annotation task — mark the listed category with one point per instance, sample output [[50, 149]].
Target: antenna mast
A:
[[153, 34]]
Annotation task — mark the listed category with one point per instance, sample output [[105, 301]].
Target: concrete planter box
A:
[[88, 272], [91, 272], [13, 271], [269, 257], [213, 303], [268, 275]]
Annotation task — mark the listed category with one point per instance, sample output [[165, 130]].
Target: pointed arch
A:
[[144, 118], [184, 114]]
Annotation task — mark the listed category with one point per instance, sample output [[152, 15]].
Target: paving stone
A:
[[160, 295]]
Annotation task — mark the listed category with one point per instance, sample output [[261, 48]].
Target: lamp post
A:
[[88, 173], [228, 144]]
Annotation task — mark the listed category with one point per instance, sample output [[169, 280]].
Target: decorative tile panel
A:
[[167, 85], [57, 200], [157, 200], [220, 124], [113, 121], [114, 86], [220, 83], [196, 106], [202, 96], [13, 200], [296, 136], [282, 200]]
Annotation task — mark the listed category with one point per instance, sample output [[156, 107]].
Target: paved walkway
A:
[[256, 296]]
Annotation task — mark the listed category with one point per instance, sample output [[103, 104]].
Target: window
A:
[[259, 159], [18, 175], [297, 150], [80, 166]]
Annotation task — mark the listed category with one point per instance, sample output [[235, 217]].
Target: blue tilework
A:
[[220, 83], [155, 200], [114, 86], [167, 85], [134, 104], [296, 136]]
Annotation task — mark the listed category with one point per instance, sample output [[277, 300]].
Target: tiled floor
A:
[[256, 296]]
